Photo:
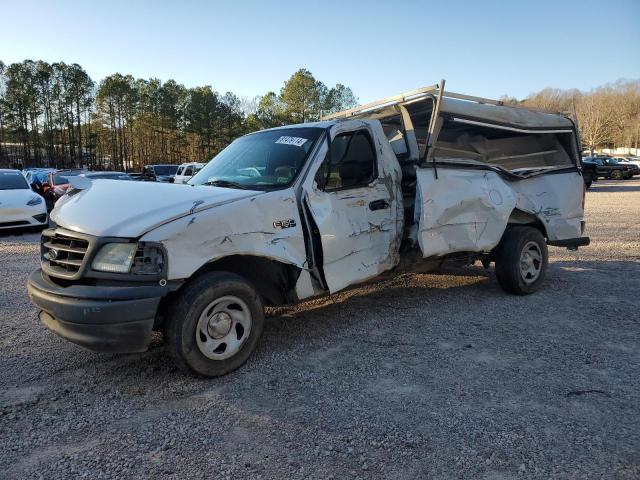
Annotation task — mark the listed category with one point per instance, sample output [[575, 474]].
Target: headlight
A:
[[115, 257], [149, 260], [35, 200]]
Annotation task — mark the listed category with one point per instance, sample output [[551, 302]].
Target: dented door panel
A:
[[355, 240], [467, 210], [360, 238]]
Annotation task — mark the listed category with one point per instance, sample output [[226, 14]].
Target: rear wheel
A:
[[215, 324], [521, 260], [616, 175]]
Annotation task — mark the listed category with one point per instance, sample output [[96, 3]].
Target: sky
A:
[[485, 48]]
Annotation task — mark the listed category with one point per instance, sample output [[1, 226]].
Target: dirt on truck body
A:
[[294, 212]]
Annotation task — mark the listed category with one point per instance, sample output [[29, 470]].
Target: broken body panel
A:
[[469, 210], [480, 165]]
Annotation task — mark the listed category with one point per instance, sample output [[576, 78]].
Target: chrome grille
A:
[[62, 254]]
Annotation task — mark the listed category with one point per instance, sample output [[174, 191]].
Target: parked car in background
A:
[[629, 169], [159, 173], [135, 176], [107, 176], [186, 171], [20, 206], [631, 162], [58, 184], [607, 167]]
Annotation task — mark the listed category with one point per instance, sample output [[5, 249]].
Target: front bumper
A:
[[104, 319], [27, 216]]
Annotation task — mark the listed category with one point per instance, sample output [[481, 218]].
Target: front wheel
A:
[[214, 324], [521, 260], [616, 175]]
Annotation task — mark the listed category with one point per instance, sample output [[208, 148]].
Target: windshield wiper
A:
[[226, 183]]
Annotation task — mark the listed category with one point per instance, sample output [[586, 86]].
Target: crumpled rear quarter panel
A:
[[467, 210]]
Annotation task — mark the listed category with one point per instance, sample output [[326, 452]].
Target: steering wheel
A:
[[249, 172]]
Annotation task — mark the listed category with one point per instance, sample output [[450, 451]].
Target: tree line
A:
[[608, 116], [56, 115]]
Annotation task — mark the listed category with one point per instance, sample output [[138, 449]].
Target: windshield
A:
[[260, 161], [12, 181], [165, 169]]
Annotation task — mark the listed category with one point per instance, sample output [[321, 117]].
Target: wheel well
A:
[[275, 281], [520, 217]]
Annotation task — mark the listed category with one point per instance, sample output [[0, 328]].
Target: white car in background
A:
[[186, 171], [19, 205]]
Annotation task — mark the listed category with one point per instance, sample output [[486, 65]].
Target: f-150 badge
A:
[[284, 223]]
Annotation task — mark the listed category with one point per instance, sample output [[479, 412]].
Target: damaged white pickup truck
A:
[[286, 214]]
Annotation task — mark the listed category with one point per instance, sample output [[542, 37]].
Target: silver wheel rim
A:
[[530, 262], [223, 327]]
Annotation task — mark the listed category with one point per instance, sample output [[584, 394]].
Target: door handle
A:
[[378, 205]]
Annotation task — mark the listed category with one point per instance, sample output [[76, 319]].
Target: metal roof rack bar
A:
[[413, 95], [403, 97]]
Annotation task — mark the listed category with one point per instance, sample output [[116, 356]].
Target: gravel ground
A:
[[425, 376]]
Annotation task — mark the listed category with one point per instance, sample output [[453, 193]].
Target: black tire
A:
[[182, 320], [508, 259], [616, 175], [588, 181]]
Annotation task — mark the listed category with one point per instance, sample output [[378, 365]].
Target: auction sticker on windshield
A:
[[297, 141]]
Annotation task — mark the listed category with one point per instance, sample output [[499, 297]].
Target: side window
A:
[[188, 171], [350, 163], [148, 170], [179, 172]]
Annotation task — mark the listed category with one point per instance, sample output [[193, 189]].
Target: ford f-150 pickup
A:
[[286, 214]]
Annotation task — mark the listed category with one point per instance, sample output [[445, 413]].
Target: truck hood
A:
[[117, 208]]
